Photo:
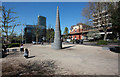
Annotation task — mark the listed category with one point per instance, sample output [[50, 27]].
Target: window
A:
[[29, 30], [75, 37], [75, 29]]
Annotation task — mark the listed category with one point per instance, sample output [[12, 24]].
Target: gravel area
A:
[[74, 59]]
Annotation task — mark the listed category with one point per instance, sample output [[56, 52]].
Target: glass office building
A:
[[29, 30]]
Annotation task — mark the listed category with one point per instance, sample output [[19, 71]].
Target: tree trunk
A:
[[50, 37], [105, 36], [7, 38], [36, 38]]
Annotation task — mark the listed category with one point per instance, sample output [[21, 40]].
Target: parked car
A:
[[33, 42], [85, 40], [66, 41], [36, 42], [79, 41]]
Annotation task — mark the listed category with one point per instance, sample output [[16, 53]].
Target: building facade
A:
[[102, 19], [30, 30], [101, 22], [77, 32], [42, 25]]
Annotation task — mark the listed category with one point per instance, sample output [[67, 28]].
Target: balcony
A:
[[107, 19], [98, 25], [99, 21], [94, 15], [104, 33], [103, 24], [107, 15], [104, 16], [110, 24], [95, 22], [104, 11], [99, 17], [95, 19]]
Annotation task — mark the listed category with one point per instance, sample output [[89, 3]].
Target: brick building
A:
[[76, 31]]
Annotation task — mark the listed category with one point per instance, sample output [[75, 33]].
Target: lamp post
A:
[[22, 33]]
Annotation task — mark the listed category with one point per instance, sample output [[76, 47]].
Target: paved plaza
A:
[[76, 59]]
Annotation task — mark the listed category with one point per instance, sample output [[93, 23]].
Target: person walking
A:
[[26, 53], [4, 51], [42, 41], [5, 48], [21, 48], [73, 41]]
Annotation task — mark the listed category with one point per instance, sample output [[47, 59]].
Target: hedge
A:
[[102, 42], [13, 45]]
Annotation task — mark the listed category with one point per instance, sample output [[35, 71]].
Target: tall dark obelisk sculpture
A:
[[57, 37]]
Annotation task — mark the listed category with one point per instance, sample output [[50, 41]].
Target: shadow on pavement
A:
[[115, 49], [31, 56], [68, 47]]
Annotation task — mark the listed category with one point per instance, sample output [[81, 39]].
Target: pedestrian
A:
[[42, 41], [26, 53], [21, 48], [5, 48], [73, 41], [82, 41]]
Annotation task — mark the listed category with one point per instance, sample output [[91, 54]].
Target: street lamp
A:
[[22, 32]]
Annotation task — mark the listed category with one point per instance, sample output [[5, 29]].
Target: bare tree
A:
[[0, 33], [36, 31], [96, 8], [94, 34], [50, 34], [8, 22], [88, 11]]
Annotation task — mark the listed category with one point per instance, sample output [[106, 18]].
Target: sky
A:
[[70, 13]]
